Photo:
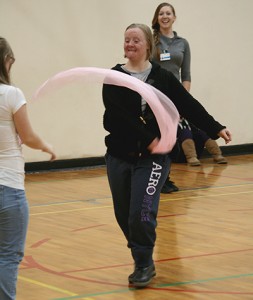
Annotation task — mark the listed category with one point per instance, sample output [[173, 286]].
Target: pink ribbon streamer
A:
[[163, 108]]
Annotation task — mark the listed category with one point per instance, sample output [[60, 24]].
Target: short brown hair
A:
[[148, 35]]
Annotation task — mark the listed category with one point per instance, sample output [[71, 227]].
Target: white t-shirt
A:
[[11, 158]]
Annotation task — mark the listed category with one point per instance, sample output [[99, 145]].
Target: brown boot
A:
[[213, 148], [190, 152]]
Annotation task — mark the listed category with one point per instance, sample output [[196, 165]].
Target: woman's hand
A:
[[226, 135], [49, 149], [152, 145]]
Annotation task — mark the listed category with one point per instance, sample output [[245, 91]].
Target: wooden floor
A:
[[204, 248]]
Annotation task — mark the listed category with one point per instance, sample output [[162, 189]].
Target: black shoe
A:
[[169, 187], [141, 277]]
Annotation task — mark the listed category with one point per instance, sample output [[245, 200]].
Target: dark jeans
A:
[[198, 136], [136, 191]]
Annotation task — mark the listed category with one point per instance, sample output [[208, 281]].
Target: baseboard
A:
[[77, 163], [80, 163], [242, 149]]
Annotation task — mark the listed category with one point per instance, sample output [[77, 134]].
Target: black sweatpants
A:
[[135, 189]]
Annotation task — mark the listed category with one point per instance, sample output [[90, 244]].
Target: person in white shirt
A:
[[15, 130]]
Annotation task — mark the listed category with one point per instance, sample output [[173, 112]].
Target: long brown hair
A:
[[155, 24], [5, 53]]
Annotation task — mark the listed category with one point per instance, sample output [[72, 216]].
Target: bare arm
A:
[[187, 85], [27, 135]]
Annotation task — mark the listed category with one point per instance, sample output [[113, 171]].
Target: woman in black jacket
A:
[[135, 174]]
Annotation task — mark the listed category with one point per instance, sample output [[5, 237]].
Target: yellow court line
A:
[[109, 198], [162, 200], [204, 196], [213, 188], [50, 287]]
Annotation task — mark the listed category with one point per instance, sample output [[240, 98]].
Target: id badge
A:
[[164, 56]]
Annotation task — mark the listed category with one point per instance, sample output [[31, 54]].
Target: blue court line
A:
[[70, 202], [83, 296]]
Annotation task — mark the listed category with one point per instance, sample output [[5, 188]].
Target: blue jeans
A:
[[14, 214]]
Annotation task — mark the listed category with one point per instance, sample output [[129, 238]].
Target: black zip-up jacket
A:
[[130, 132]]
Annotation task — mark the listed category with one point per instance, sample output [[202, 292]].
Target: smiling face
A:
[[135, 45], [166, 17]]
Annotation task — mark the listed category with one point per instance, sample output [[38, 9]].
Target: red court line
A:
[[39, 243], [84, 228], [164, 260], [206, 254], [173, 215], [30, 260], [44, 269]]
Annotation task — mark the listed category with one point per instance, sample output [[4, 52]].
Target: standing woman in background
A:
[[172, 52], [14, 212]]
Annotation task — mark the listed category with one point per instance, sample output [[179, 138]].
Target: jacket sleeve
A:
[[190, 108]]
